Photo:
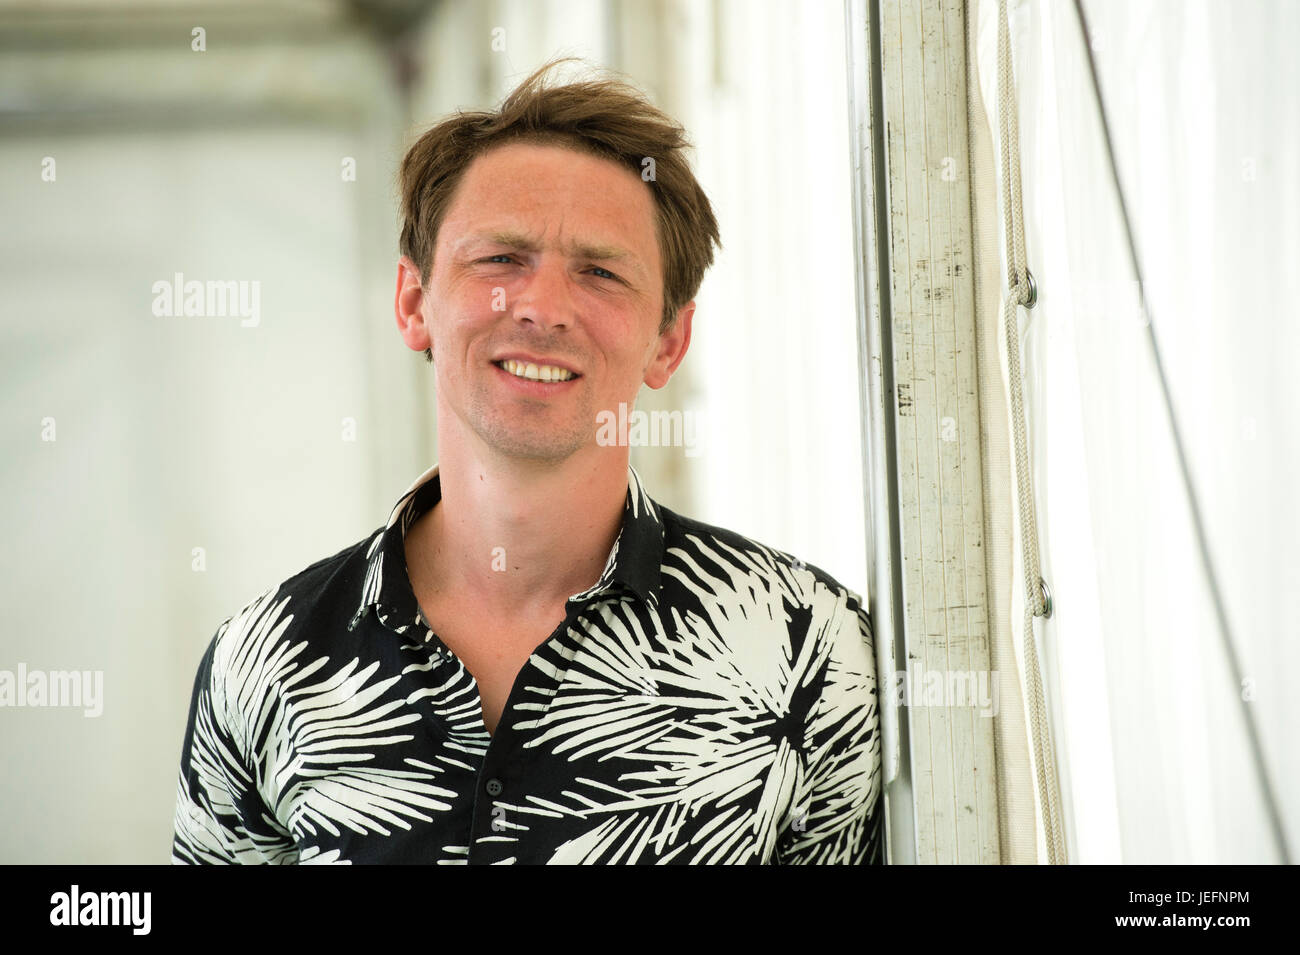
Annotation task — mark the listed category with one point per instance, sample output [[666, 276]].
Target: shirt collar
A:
[[633, 564]]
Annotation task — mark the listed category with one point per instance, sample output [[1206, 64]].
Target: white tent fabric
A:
[[1203, 102]]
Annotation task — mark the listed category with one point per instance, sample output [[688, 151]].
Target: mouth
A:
[[536, 374]]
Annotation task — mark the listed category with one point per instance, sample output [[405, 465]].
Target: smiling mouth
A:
[[546, 374]]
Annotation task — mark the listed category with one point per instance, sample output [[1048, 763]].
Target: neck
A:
[[513, 536]]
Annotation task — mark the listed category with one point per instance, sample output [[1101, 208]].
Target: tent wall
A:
[[1204, 109]]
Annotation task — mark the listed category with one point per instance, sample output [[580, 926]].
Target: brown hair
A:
[[604, 117]]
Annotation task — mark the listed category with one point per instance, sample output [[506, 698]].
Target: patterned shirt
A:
[[708, 700]]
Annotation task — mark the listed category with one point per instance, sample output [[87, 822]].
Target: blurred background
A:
[[160, 471]]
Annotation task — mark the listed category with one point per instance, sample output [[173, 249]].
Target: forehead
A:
[[555, 194]]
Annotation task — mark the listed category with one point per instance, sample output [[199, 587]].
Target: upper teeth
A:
[[536, 372]]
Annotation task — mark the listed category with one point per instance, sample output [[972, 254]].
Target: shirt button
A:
[[494, 787]]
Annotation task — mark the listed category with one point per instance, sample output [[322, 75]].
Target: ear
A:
[[408, 306], [672, 348]]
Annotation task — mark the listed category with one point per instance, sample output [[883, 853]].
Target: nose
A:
[[544, 296]]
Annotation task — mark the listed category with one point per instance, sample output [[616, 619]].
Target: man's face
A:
[[547, 254]]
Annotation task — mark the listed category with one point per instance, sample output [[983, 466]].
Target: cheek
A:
[[462, 311], [487, 294], [627, 361]]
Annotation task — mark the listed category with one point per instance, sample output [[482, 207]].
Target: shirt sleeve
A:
[[837, 814], [220, 816]]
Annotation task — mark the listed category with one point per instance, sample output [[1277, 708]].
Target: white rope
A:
[[1019, 293]]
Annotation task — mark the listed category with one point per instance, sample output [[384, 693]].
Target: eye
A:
[[499, 255], [608, 274]]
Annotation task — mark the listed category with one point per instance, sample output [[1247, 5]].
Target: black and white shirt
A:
[[708, 700]]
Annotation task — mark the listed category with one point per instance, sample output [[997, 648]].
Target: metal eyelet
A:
[[1033, 289], [1047, 598]]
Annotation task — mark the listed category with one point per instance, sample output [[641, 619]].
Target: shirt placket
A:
[[503, 778]]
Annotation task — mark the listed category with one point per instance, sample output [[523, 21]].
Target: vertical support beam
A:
[[921, 373]]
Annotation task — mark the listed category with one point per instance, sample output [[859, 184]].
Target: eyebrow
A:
[[525, 243]]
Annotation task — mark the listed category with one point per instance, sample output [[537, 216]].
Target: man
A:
[[534, 661]]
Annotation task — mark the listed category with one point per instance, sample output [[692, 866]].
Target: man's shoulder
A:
[[327, 590], [736, 559], [758, 600]]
